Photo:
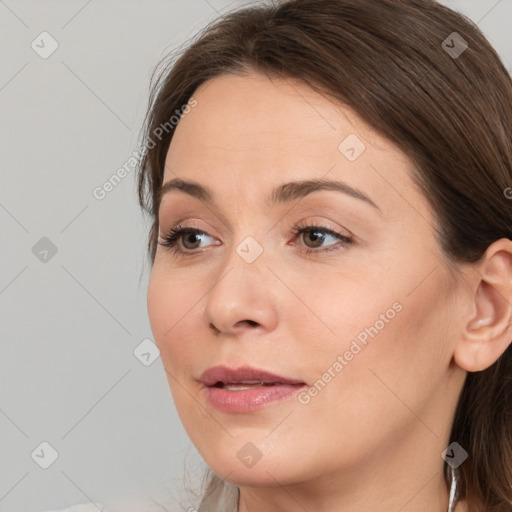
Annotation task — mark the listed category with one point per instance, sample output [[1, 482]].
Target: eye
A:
[[317, 235], [191, 236]]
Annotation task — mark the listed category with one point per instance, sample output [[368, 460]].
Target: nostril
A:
[[214, 328], [252, 322]]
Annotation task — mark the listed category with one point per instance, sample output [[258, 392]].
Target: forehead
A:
[[252, 108], [250, 132]]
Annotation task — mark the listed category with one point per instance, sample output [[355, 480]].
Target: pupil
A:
[[189, 238], [315, 238]]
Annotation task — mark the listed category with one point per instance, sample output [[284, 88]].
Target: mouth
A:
[[249, 397], [243, 378], [240, 386], [246, 389]]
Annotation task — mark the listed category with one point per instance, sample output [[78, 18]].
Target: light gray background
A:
[[69, 326]]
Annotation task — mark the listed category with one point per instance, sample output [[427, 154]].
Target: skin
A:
[[372, 438]]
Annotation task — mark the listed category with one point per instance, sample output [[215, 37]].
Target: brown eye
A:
[[314, 236], [190, 238]]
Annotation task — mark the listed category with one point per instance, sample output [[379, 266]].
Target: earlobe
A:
[[487, 332]]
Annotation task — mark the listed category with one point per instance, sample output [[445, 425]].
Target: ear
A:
[[488, 327]]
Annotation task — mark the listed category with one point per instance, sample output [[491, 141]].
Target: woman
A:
[[331, 285]]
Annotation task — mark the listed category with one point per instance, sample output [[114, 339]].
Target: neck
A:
[[371, 493], [461, 506]]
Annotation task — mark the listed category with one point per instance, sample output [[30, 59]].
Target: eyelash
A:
[[169, 241]]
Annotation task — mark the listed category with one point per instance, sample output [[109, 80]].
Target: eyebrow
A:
[[283, 193]]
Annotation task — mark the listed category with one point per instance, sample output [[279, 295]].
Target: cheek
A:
[[170, 315], [405, 352], [171, 310], [158, 303], [387, 369], [345, 308], [388, 324]]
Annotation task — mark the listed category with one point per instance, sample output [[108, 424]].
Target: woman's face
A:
[[367, 325]]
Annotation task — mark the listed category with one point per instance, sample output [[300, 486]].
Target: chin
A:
[[268, 471], [251, 477]]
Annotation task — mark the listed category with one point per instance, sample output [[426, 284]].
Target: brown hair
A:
[[392, 62]]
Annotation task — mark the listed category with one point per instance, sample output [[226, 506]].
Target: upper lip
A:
[[244, 374]]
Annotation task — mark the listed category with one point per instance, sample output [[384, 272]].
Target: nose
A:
[[242, 298]]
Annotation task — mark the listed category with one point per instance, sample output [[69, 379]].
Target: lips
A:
[[221, 376], [246, 390]]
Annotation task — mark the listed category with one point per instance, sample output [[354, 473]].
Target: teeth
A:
[[246, 385], [239, 387]]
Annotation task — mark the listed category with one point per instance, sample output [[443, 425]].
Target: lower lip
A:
[[252, 399]]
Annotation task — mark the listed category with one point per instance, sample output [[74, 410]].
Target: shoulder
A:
[[84, 507]]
